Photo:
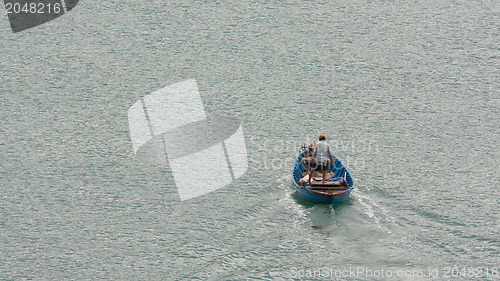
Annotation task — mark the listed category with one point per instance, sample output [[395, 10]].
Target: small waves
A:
[[380, 215]]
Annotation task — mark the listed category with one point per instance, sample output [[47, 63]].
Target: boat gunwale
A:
[[319, 193]]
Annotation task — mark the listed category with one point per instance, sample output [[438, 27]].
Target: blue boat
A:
[[336, 189]]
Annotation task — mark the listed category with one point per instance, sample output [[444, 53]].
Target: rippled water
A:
[[407, 93]]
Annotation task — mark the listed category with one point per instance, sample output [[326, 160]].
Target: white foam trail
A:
[[288, 201], [374, 210]]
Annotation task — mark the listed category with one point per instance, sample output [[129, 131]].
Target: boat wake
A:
[[380, 215], [289, 202], [370, 206]]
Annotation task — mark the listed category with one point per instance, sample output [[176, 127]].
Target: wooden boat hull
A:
[[316, 196]]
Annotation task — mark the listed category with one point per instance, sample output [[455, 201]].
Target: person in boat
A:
[[323, 157]]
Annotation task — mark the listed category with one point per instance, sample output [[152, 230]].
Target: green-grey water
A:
[[407, 93]]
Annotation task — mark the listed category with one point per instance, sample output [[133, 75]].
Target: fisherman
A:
[[323, 157]]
